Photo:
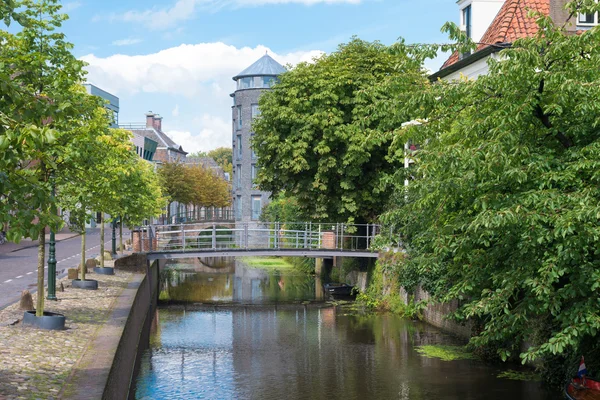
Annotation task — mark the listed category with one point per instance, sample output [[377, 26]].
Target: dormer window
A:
[[466, 21]]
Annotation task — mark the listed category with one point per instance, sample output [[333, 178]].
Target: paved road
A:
[[18, 270]]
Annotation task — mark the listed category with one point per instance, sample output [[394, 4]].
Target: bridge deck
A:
[[319, 253]]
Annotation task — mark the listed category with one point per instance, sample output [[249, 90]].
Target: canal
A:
[[224, 330]]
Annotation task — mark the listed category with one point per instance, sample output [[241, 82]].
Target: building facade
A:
[[248, 201], [111, 101], [494, 25]]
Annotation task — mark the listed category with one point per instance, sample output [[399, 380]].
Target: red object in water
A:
[[578, 390]]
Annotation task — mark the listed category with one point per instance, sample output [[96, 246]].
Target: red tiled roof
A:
[[510, 24]]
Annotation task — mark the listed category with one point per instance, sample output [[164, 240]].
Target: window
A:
[[269, 81], [587, 19], [239, 117], [238, 144], [238, 177], [255, 111], [255, 170], [252, 145], [466, 20], [246, 83], [256, 207]]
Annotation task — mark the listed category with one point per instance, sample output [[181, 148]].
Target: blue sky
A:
[[177, 57]]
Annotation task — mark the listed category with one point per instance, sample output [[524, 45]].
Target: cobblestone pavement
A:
[[35, 364]]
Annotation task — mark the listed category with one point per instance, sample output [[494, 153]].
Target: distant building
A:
[[250, 84], [112, 101], [166, 149]]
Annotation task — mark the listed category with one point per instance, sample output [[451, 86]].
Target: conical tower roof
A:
[[265, 66]]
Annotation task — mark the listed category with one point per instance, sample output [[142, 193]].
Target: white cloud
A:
[[194, 81], [126, 42], [70, 6], [167, 17], [215, 133]]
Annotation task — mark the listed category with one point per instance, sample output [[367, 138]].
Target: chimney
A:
[[561, 16], [149, 119], [157, 123]]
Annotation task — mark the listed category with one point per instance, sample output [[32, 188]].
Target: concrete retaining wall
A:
[[134, 340], [436, 313]]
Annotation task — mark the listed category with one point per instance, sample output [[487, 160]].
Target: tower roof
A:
[[264, 66], [511, 23]]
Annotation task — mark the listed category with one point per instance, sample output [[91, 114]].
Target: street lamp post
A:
[[114, 238], [52, 254]]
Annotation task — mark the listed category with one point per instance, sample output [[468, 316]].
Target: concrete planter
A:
[[88, 284], [104, 270], [49, 321]]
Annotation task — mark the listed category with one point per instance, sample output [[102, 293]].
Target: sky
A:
[[176, 58]]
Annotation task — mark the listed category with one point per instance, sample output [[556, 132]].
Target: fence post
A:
[[214, 237], [182, 238], [319, 236], [277, 235], [305, 237], [246, 235], [342, 241]]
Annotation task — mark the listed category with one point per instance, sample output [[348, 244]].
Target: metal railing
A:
[[259, 236], [205, 214]]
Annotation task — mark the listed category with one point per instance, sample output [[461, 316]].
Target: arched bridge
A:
[[209, 239]]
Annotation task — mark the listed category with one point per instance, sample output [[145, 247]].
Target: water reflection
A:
[[245, 353], [297, 351], [234, 281]]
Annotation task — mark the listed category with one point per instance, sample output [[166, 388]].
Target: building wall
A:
[[244, 98], [474, 70], [483, 13]]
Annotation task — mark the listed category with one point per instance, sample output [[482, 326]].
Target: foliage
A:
[[503, 210], [519, 375], [281, 208], [318, 136], [383, 293], [445, 353], [223, 156], [193, 185]]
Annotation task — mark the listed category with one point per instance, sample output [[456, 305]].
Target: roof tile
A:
[[510, 24]]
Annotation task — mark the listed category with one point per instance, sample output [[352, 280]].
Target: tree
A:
[[503, 211], [44, 104], [176, 184], [198, 154], [223, 156], [319, 139]]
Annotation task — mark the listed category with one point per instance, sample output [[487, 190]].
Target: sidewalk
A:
[[10, 247]]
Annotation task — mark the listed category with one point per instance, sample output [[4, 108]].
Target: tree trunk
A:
[[101, 240], [39, 312], [83, 256], [169, 212], [121, 235]]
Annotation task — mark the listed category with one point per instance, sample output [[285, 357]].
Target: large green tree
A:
[[44, 103], [319, 137], [502, 211]]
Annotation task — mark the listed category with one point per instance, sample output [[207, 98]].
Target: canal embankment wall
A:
[[434, 313], [136, 329]]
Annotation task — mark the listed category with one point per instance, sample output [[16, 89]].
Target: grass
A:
[[445, 353], [267, 262]]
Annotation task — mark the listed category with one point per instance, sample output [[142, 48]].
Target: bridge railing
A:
[[258, 235]]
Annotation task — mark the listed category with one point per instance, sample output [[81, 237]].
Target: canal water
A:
[[226, 331]]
